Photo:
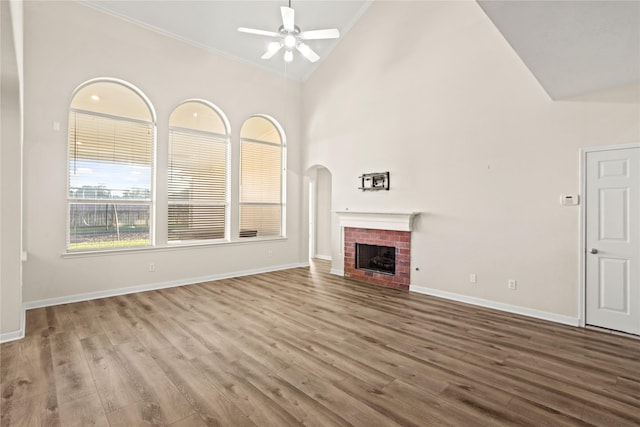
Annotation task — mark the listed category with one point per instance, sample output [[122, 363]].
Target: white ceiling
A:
[[572, 47], [213, 24]]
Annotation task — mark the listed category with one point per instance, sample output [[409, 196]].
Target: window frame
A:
[[283, 179], [153, 169], [224, 138]]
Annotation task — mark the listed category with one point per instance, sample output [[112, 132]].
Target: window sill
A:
[[171, 247]]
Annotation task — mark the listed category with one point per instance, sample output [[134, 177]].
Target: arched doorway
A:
[[320, 215]]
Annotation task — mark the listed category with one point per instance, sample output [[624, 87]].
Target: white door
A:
[[612, 203]]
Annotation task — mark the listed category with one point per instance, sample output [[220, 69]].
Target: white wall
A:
[[10, 171], [67, 44], [431, 92]]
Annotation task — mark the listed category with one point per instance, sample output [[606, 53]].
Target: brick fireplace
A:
[[399, 240], [386, 238]]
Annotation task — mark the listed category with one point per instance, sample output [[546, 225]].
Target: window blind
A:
[[197, 187], [261, 175], [110, 154]]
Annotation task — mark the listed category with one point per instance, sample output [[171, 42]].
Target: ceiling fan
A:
[[290, 37]]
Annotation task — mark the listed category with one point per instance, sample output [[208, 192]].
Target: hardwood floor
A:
[[305, 347]]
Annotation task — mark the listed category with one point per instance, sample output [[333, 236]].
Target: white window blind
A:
[[197, 175], [109, 187], [261, 179]]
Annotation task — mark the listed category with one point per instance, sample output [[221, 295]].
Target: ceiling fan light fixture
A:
[[288, 56], [290, 41]]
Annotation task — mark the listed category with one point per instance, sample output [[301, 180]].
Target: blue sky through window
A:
[[120, 179]]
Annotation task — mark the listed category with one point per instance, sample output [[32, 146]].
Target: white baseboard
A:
[[337, 272], [154, 286], [323, 257], [15, 335], [538, 314]]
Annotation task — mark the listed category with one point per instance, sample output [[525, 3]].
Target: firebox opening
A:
[[381, 259]]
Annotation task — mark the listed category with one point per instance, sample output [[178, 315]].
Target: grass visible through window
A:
[[109, 244]]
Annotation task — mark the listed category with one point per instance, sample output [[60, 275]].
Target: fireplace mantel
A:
[[397, 221]]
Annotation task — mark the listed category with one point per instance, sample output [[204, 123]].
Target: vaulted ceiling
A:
[[213, 24], [572, 47]]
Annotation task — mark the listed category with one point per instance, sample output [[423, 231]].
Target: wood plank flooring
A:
[[303, 347]]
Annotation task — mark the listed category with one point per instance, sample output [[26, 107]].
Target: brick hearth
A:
[[401, 240]]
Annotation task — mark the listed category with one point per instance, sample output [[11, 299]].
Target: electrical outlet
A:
[[270, 253], [512, 284], [152, 267], [473, 278]]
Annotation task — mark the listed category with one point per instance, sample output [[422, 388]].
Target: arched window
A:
[[198, 173], [111, 167], [262, 177]]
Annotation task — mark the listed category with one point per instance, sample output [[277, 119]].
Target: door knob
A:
[[593, 251]]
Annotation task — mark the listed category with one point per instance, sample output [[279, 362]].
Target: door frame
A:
[[582, 223], [313, 207]]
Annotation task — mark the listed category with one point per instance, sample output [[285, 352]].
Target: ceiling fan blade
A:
[[320, 34], [288, 17], [274, 47], [258, 32], [307, 52]]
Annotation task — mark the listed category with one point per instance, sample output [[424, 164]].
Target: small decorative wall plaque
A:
[[375, 181]]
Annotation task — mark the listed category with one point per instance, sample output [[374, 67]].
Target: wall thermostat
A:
[[569, 199]]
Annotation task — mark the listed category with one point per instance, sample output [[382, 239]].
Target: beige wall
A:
[[67, 44], [431, 92], [10, 171]]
